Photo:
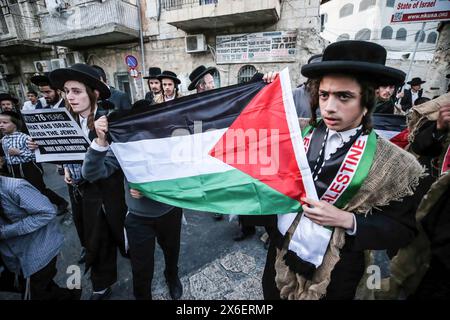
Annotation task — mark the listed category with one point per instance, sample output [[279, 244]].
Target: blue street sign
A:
[[131, 61]]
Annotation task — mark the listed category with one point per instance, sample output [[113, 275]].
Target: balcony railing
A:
[[80, 21], [180, 4]]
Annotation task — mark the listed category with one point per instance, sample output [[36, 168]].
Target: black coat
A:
[[406, 102]]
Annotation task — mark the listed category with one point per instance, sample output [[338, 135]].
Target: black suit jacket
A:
[[406, 101]]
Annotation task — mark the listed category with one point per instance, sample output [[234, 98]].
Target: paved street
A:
[[211, 266]]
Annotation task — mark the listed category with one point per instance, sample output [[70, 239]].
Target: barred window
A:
[[432, 37], [363, 34], [246, 73], [401, 34], [366, 4], [344, 36], [386, 33], [346, 10]]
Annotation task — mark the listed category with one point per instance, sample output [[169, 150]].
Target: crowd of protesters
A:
[[346, 85]]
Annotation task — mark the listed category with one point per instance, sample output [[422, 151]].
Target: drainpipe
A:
[[141, 36]]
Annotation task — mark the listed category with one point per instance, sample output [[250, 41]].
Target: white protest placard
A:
[[271, 46], [408, 11], [59, 137]]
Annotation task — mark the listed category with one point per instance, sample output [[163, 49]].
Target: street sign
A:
[[131, 61], [133, 73], [409, 11]]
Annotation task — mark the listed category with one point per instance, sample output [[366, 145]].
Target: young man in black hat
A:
[[118, 98], [365, 184], [8, 102], [147, 221], [51, 95], [409, 96], [202, 79], [154, 84], [169, 83], [384, 99]]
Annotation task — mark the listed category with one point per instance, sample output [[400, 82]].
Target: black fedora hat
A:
[[7, 96], [415, 81], [361, 58], [40, 79], [80, 72], [166, 74], [199, 73], [153, 73], [315, 58]]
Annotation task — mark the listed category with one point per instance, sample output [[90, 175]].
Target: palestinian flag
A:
[[391, 127], [235, 150]]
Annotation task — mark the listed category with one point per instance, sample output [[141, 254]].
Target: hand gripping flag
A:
[[234, 150]]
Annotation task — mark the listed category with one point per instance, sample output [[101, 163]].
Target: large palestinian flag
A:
[[233, 150]]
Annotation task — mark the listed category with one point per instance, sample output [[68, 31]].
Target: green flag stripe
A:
[[244, 195]]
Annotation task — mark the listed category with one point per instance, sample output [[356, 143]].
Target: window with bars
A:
[[344, 36], [386, 33], [422, 36], [346, 10], [432, 37], [401, 34], [363, 34], [366, 4], [246, 73], [216, 76]]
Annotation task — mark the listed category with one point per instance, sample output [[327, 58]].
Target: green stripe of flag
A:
[[248, 196]]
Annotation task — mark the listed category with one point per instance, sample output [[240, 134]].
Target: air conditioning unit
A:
[[74, 57], [4, 69], [43, 66], [195, 43], [58, 63]]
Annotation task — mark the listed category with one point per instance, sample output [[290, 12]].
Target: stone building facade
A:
[[105, 32]]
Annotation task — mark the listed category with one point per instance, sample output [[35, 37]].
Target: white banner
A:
[[273, 46], [59, 137], [420, 11]]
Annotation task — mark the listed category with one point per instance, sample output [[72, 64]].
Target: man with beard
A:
[[51, 95], [153, 84], [384, 103]]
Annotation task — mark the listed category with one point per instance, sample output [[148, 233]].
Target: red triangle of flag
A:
[[259, 143]]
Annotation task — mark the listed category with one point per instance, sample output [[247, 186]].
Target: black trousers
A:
[[42, 286], [95, 228], [33, 173], [76, 203], [141, 234], [344, 278]]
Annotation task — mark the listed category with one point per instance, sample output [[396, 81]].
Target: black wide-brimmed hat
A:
[[166, 74], [80, 72], [361, 58], [40, 79], [153, 73], [199, 73], [415, 81], [7, 96]]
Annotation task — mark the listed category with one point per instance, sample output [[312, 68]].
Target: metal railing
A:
[[180, 4], [87, 17]]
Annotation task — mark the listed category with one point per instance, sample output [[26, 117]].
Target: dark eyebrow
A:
[[351, 93]]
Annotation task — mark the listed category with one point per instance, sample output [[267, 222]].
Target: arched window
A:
[[386, 33], [344, 36], [366, 4], [346, 10], [401, 34], [246, 73], [390, 3], [432, 37], [422, 37], [216, 76], [363, 34]]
